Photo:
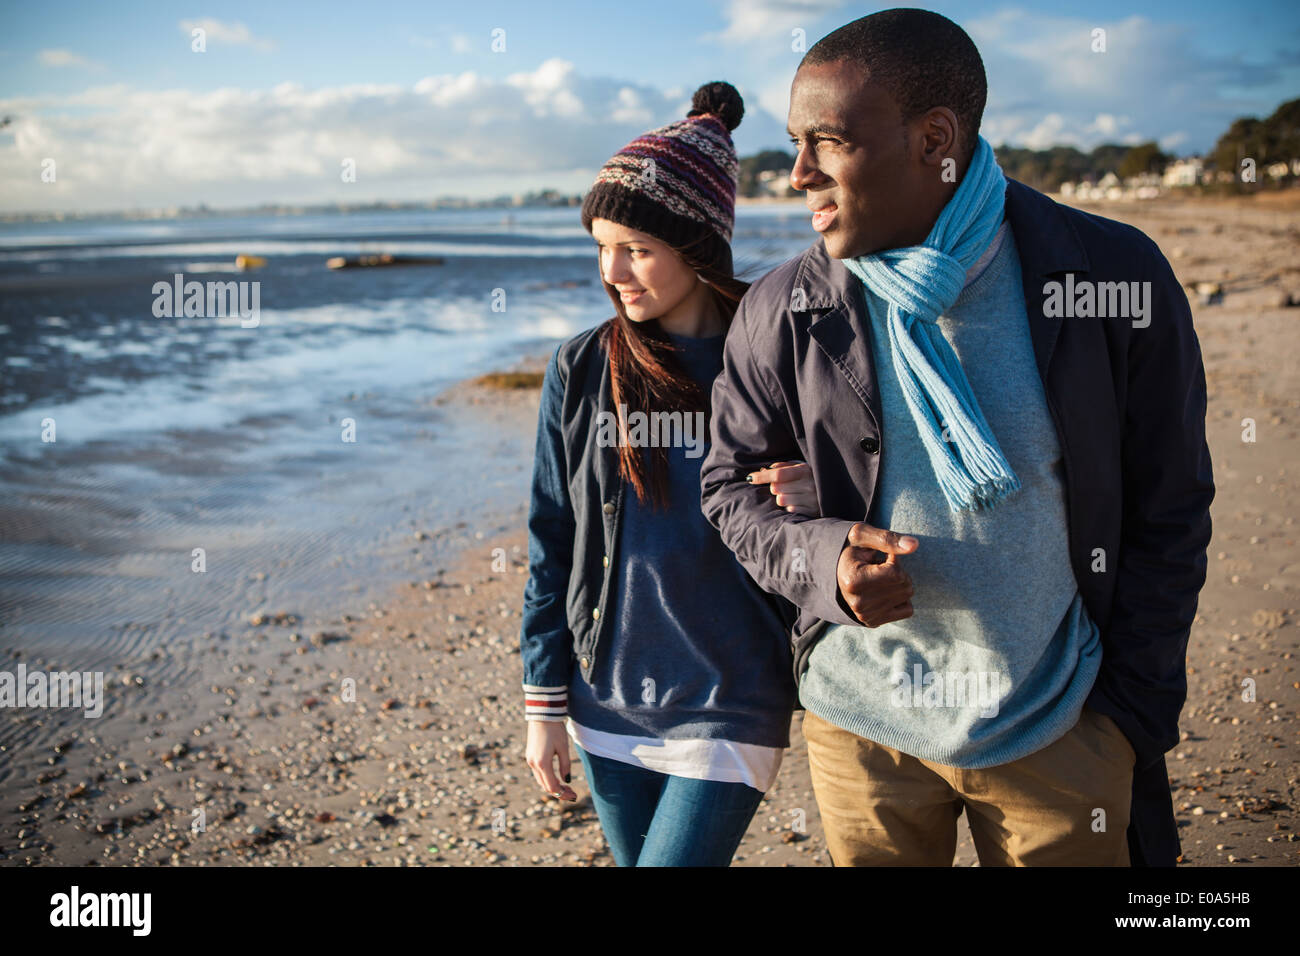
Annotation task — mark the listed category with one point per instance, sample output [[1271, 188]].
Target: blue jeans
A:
[[657, 819]]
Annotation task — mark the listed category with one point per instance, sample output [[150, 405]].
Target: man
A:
[[1011, 468]]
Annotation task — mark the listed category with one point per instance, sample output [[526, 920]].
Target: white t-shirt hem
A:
[[726, 761]]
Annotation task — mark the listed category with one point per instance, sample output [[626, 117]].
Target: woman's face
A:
[[651, 279]]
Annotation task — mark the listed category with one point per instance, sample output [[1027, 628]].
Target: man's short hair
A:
[[922, 59]]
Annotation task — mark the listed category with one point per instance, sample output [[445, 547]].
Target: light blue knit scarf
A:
[[920, 283]]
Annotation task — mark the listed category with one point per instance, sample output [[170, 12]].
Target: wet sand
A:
[[267, 759]]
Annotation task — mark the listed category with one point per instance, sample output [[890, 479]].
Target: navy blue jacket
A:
[[1129, 408], [574, 519], [573, 512]]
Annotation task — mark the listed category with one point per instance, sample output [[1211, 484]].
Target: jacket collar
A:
[[1047, 242]]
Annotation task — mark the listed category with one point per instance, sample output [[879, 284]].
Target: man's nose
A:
[[804, 174]]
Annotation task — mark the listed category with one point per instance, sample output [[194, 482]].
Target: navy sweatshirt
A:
[[699, 650]]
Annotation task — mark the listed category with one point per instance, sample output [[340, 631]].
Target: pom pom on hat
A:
[[677, 183], [720, 100]]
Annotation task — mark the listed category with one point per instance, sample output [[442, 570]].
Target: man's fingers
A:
[[896, 613], [863, 535], [873, 591], [878, 568], [876, 614]]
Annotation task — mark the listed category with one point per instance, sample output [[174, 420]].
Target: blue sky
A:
[[416, 96]]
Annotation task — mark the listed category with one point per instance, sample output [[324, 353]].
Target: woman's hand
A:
[[792, 484], [547, 739]]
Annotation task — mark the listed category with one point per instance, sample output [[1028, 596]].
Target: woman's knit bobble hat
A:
[[678, 183]]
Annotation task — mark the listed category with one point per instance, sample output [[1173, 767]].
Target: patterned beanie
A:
[[678, 183]]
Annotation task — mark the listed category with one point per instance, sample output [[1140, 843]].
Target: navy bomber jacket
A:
[[576, 504], [572, 522]]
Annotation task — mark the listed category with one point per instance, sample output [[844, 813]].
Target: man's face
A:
[[853, 162]]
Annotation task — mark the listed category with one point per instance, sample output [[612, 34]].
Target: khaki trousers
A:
[[1064, 805]]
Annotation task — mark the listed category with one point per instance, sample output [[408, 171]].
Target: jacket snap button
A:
[[605, 561], [584, 663], [595, 613], [609, 507], [869, 444]]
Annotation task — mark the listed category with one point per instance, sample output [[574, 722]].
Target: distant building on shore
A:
[[775, 182], [1183, 173], [1142, 186]]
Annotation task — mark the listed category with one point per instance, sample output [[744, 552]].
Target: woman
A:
[[642, 635]]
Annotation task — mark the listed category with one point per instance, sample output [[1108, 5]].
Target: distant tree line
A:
[[1272, 140], [1047, 169], [769, 160]]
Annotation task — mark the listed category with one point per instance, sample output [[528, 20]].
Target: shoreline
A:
[[425, 766]]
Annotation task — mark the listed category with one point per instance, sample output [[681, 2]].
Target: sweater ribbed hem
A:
[[1025, 741]]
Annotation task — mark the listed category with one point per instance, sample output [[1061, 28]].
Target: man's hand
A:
[[873, 585]]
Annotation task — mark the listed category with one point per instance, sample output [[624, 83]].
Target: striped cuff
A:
[[545, 703]]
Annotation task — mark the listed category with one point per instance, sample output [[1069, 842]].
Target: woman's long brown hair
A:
[[645, 374]]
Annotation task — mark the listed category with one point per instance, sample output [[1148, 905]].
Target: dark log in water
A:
[[382, 259]]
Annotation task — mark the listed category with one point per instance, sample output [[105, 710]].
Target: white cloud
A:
[[1108, 125], [232, 34], [451, 134], [1048, 86], [750, 21], [1173, 141], [1060, 129], [775, 96], [63, 58], [550, 89], [632, 108], [457, 42]]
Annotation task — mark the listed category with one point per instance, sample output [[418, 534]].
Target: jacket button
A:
[[869, 444], [605, 561], [595, 613], [609, 507], [584, 663]]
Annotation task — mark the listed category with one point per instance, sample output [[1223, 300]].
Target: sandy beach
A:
[[263, 755]]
